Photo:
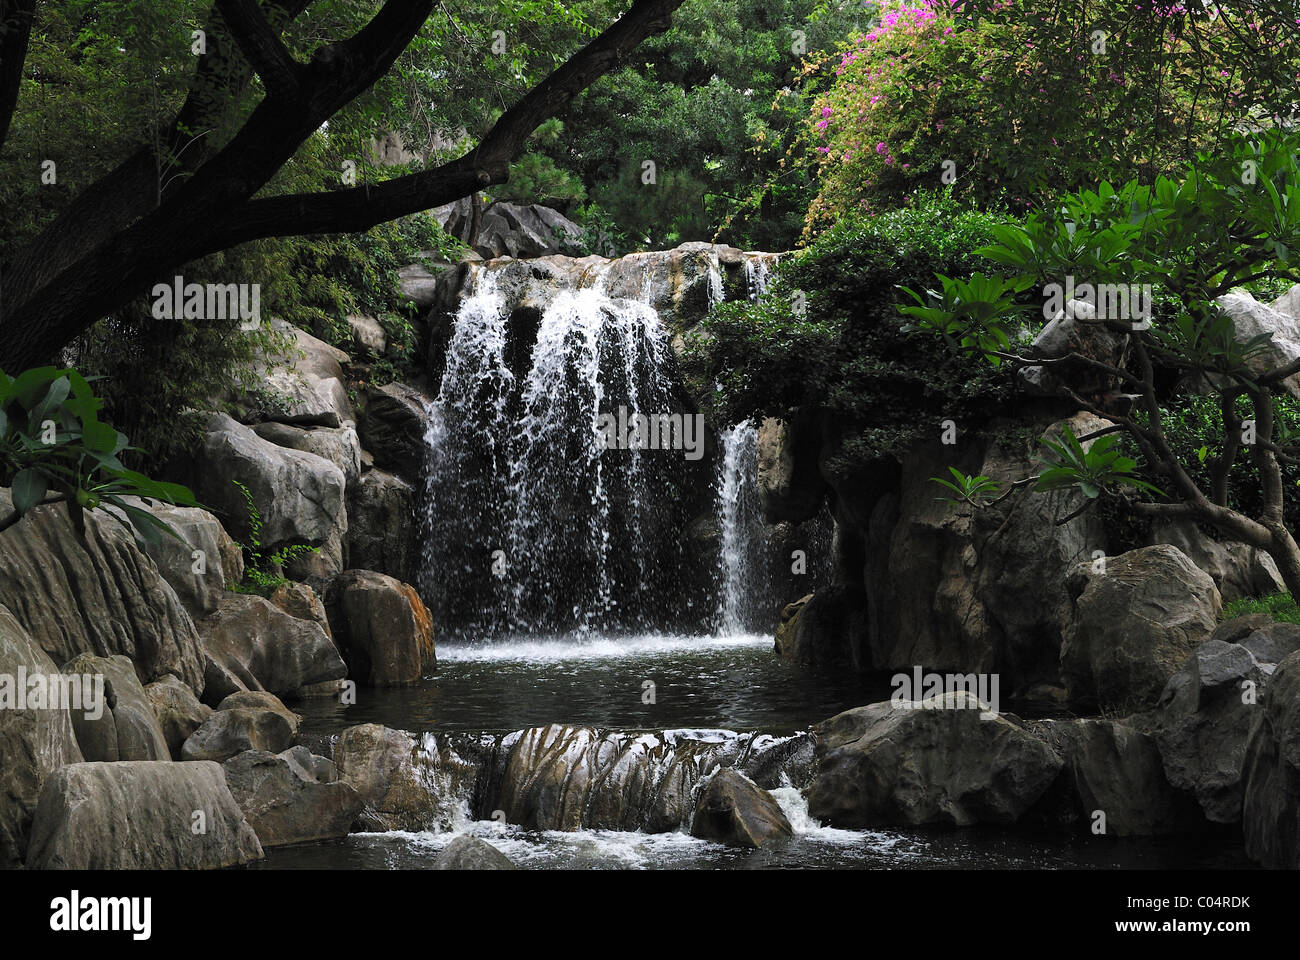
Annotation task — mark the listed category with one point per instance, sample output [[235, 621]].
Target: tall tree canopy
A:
[[192, 117]]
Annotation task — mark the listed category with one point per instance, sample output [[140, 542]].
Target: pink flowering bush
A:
[[1026, 100]]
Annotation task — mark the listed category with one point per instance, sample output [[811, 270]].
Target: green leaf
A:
[[29, 489]]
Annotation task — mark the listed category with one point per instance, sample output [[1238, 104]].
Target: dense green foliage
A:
[[711, 102], [828, 334], [1012, 103]]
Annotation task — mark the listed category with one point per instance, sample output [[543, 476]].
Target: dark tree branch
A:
[[261, 46], [361, 208], [15, 30], [135, 187], [211, 210]]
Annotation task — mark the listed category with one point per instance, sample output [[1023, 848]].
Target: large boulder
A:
[[1237, 569], [339, 445], [1207, 711], [299, 600], [178, 711], [286, 801], [470, 853], [1114, 770], [392, 428], [198, 565], [249, 720], [139, 815], [523, 231], [382, 628], [127, 729], [250, 644], [733, 810], [1074, 330], [368, 336], [1250, 319], [394, 778], [948, 585], [382, 525], [100, 595], [935, 761], [1128, 626], [34, 742], [1270, 815], [305, 383], [300, 496]]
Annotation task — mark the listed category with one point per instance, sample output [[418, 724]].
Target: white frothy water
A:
[[594, 647]]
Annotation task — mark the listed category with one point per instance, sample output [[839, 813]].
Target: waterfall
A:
[[743, 589], [530, 524], [740, 532]]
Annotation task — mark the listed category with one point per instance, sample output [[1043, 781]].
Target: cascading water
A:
[[740, 534], [744, 599], [532, 524]]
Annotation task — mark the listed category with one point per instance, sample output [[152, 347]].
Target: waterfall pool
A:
[[700, 683]]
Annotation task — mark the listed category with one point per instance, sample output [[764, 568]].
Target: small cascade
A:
[[758, 275], [560, 777], [742, 601]]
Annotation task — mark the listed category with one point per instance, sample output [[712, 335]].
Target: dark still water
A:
[[733, 683]]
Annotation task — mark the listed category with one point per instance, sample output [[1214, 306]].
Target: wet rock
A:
[[1129, 629], [178, 711], [733, 810], [139, 815], [103, 595], [34, 743], [285, 803], [883, 765], [471, 853], [250, 644], [382, 628], [790, 486], [392, 427], [1270, 817], [560, 777], [396, 781], [127, 728]]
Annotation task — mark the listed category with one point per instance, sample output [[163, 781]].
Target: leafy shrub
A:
[[55, 449], [1014, 100], [828, 333]]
